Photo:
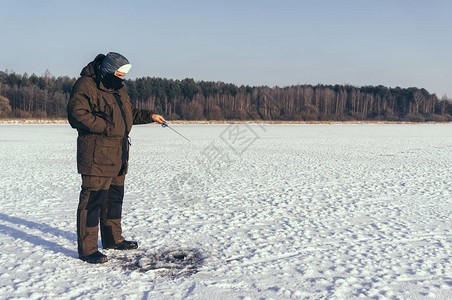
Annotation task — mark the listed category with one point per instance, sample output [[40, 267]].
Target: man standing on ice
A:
[[100, 109]]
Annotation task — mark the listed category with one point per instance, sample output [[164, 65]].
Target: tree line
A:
[[46, 96]]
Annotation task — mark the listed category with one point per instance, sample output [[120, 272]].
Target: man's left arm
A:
[[141, 116]]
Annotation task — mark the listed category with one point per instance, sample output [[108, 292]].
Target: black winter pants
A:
[[100, 199]]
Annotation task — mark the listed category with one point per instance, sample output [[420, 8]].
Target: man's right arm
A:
[[80, 115]]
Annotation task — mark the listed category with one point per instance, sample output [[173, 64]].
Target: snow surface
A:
[[258, 212]]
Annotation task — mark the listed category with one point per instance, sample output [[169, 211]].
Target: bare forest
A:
[[46, 96]]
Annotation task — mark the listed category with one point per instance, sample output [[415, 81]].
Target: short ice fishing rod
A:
[[164, 124]]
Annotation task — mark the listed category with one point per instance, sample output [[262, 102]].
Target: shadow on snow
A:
[[36, 240]]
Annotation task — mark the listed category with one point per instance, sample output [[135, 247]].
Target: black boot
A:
[[95, 258], [125, 245]]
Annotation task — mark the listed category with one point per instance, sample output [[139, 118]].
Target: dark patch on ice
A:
[[171, 263]]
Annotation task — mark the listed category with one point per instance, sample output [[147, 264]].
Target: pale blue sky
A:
[[359, 42]]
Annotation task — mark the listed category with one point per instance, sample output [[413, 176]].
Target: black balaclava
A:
[[112, 82]]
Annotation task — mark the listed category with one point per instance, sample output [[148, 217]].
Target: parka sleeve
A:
[[80, 115], [141, 116]]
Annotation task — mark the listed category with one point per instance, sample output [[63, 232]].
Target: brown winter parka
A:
[[103, 118]]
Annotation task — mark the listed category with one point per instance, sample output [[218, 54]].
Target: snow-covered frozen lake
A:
[[271, 212]]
